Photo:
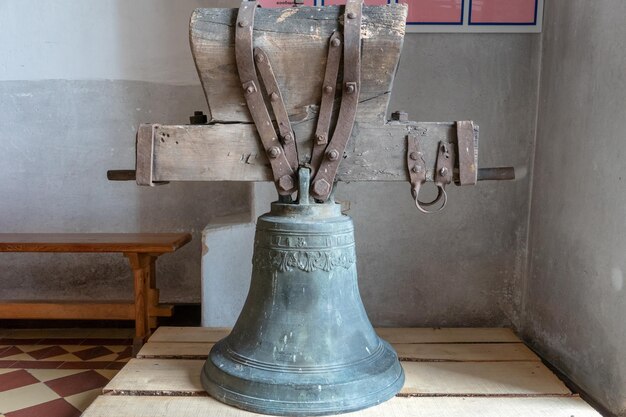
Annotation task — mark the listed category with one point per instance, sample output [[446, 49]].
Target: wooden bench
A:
[[449, 372], [141, 249]]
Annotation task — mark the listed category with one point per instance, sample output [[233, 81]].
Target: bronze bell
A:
[[303, 344]]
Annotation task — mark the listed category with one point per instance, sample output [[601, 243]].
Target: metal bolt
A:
[[413, 156], [285, 182], [321, 139], [243, 24], [351, 15], [400, 116], [350, 87], [198, 118], [328, 89], [443, 171], [288, 138], [415, 169], [332, 155], [321, 187], [274, 96], [250, 89], [259, 58], [273, 152], [335, 42]]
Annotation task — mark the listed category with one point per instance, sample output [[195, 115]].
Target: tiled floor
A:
[[58, 372]]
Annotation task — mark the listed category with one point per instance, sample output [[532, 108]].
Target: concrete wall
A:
[[76, 79], [575, 299], [461, 267]]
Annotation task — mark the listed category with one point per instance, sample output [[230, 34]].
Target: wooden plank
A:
[[169, 350], [158, 377], [93, 242], [493, 352], [465, 352], [115, 406], [122, 310], [447, 335], [296, 41], [390, 334], [182, 377], [232, 152], [480, 378], [189, 334]]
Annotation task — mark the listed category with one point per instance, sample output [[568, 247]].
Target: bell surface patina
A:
[[303, 344]]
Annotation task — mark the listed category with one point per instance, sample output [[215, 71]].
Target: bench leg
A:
[[141, 264]]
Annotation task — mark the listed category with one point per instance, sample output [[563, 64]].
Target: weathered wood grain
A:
[[424, 352], [464, 352], [189, 334], [233, 152], [391, 334], [115, 406], [447, 335], [480, 378], [296, 40]]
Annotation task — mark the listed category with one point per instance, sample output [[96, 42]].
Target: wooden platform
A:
[[449, 372]]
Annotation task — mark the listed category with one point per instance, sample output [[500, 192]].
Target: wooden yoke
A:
[[296, 39]]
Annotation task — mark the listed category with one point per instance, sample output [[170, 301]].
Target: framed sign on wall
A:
[[508, 16]]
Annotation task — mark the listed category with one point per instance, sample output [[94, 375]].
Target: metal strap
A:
[[417, 173], [284, 175], [328, 99], [278, 106], [325, 177], [468, 152]]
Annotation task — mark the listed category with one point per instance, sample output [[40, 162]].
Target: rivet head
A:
[[328, 89], [443, 171], [321, 187], [321, 139], [415, 169], [335, 42], [273, 96], [259, 58], [350, 87], [273, 152], [332, 155], [242, 23], [288, 138], [351, 15], [413, 156], [285, 183]]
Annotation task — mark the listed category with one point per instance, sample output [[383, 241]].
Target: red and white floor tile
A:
[[58, 372]]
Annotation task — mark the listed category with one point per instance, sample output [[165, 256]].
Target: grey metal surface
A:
[[303, 344]]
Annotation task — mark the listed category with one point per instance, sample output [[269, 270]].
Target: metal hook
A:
[[441, 192]]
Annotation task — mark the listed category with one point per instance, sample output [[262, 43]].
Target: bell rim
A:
[[392, 375]]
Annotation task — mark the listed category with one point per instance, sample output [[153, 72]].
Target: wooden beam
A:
[[120, 310], [232, 152], [296, 42], [182, 377], [122, 406]]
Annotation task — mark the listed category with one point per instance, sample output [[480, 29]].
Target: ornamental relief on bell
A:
[[307, 261]]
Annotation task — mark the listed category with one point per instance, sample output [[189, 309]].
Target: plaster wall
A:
[[76, 79], [575, 298]]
